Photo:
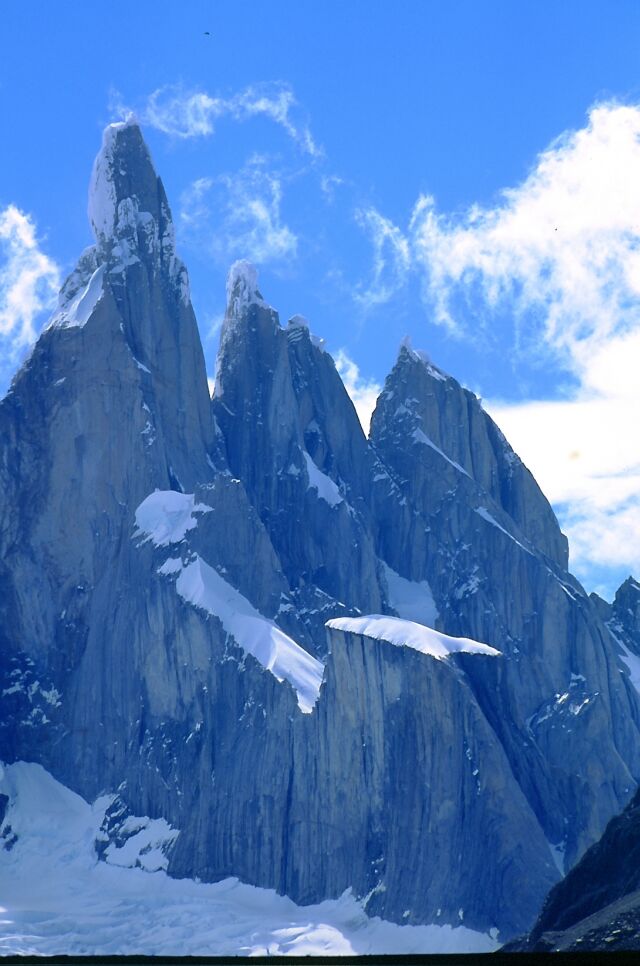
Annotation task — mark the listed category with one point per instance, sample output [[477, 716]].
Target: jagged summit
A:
[[131, 290], [131, 220], [407, 353], [630, 585], [298, 328], [626, 607], [122, 169], [250, 325], [446, 423], [242, 288]]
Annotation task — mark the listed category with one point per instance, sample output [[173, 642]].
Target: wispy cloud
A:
[[363, 392], [29, 283], [562, 249], [244, 208], [188, 114], [328, 185], [391, 258]]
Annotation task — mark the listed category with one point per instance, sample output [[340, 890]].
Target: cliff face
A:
[[168, 564], [293, 437], [477, 529]]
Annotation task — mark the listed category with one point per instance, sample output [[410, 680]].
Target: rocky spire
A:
[[422, 403], [626, 608], [293, 437], [128, 208], [131, 288]]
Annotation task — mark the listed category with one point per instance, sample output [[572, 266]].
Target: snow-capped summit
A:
[[242, 288], [298, 322], [109, 168], [298, 327]]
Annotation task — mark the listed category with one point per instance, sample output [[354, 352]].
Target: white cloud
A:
[[585, 454], [195, 205], [213, 325], [363, 392], [186, 114], [245, 209], [391, 259], [29, 282], [563, 248], [328, 185]]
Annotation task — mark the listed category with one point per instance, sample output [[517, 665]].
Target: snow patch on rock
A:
[[202, 586], [325, 487], [297, 327], [165, 516], [412, 600], [403, 633], [484, 513], [147, 843], [77, 308], [421, 437]]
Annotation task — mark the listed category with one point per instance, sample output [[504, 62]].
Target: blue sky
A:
[[392, 169]]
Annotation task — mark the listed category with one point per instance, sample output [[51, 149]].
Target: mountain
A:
[[328, 662]]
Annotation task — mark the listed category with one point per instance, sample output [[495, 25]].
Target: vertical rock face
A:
[[112, 404], [168, 564], [399, 752], [130, 215], [622, 620], [486, 541]]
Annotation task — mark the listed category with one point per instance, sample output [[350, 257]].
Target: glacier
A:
[[126, 906]]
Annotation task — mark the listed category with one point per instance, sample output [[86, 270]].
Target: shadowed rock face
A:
[[625, 610], [168, 564], [597, 905]]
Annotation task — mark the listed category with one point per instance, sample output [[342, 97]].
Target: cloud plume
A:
[[29, 282], [189, 114]]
